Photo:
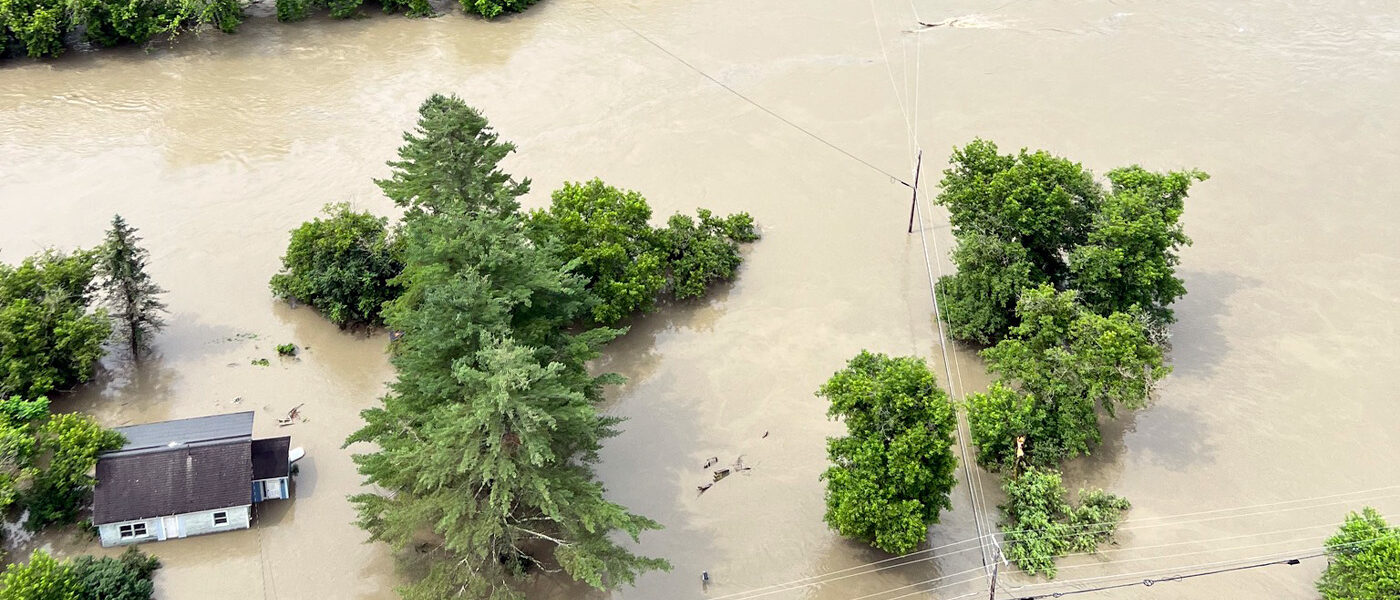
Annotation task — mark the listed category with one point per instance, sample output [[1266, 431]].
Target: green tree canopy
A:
[[1128, 262], [892, 473], [451, 163], [130, 294], [1040, 525], [485, 440], [1363, 560], [66, 452], [343, 265], [48, 339], [82, 578], [1064, 363], [42, 578], [1033, 218], [607, 231]]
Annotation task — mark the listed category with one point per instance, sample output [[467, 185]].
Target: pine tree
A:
[[486, 439], [130, 292]]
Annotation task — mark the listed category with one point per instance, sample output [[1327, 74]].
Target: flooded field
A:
[[1285, 351]]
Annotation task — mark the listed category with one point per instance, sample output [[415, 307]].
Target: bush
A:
[[344, 9], [82, 578], [48, 339], [292, 10], [1363, 560], [38, 24], [1040, 525], [494, 8], [286, 349], [702, 252], [62, 488], [342, 266]]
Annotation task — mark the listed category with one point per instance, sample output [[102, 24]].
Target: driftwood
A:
[[291, 416]]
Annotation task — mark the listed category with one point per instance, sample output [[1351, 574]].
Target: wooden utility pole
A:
[[915, 204], [996, 566]]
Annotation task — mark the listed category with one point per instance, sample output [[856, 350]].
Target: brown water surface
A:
[[1285, 351]]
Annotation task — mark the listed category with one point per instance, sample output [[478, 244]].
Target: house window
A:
[[220, 519], [132, 530]]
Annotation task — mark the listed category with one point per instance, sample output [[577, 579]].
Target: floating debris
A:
[[710, 462], [703, 487], [721, 474], [765, 434]]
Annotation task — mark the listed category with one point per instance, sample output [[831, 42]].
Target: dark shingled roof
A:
[[187, 431], [180, 479], [270, 457]]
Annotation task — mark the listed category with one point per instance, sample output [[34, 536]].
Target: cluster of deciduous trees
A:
[[891, 474], [486, 439], [1071, 285], [39, 27], [52, 333], [83, 578]]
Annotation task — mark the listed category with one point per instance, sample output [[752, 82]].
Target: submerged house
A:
[[186, 477]]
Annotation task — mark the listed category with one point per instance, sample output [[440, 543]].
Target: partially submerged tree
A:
[[83, 578], [343, 265], [605, 232], [892, 474], [1363, 559], [1040, 525], [48, 339], [1030, 219], [485, 440], [129, 292], [66, 450], [1058, 368]]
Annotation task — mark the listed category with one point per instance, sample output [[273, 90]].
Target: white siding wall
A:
[[189, 524]]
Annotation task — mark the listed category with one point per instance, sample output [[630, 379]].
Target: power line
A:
[[746, 98]]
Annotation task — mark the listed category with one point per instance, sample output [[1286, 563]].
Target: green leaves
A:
[[1058, 367], [1031, 219], [1363, 559], [82, 578], [48, 340], [343, 266], [892, 473], [129, 292], [605, 233], [486, 439], [1040, 525]]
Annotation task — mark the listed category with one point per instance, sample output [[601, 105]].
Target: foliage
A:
[[292, 10], [125, 578], [343, 266], [1041, 525], [48, 340], [1129, 260], [606, 233], [495, 8], [979, 301], [484, 443], [260, 362], [286, 349], [82, 578], [1066, 362], [705, 251], [110, 22], [42, 578], [1032, 218], [344, 9], [130, 295], [67, 446], [892, 473], [1363, 560], [38, 24], [450, 162]]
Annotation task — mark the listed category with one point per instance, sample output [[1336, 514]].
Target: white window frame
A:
[[223, 514], [129, 530]]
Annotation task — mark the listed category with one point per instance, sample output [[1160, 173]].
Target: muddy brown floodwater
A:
[[1285, 353]]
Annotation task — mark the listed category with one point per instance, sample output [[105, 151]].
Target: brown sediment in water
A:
[[1284, 351]]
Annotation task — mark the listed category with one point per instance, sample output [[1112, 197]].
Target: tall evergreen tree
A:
[[130, 294], [486, 439]]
